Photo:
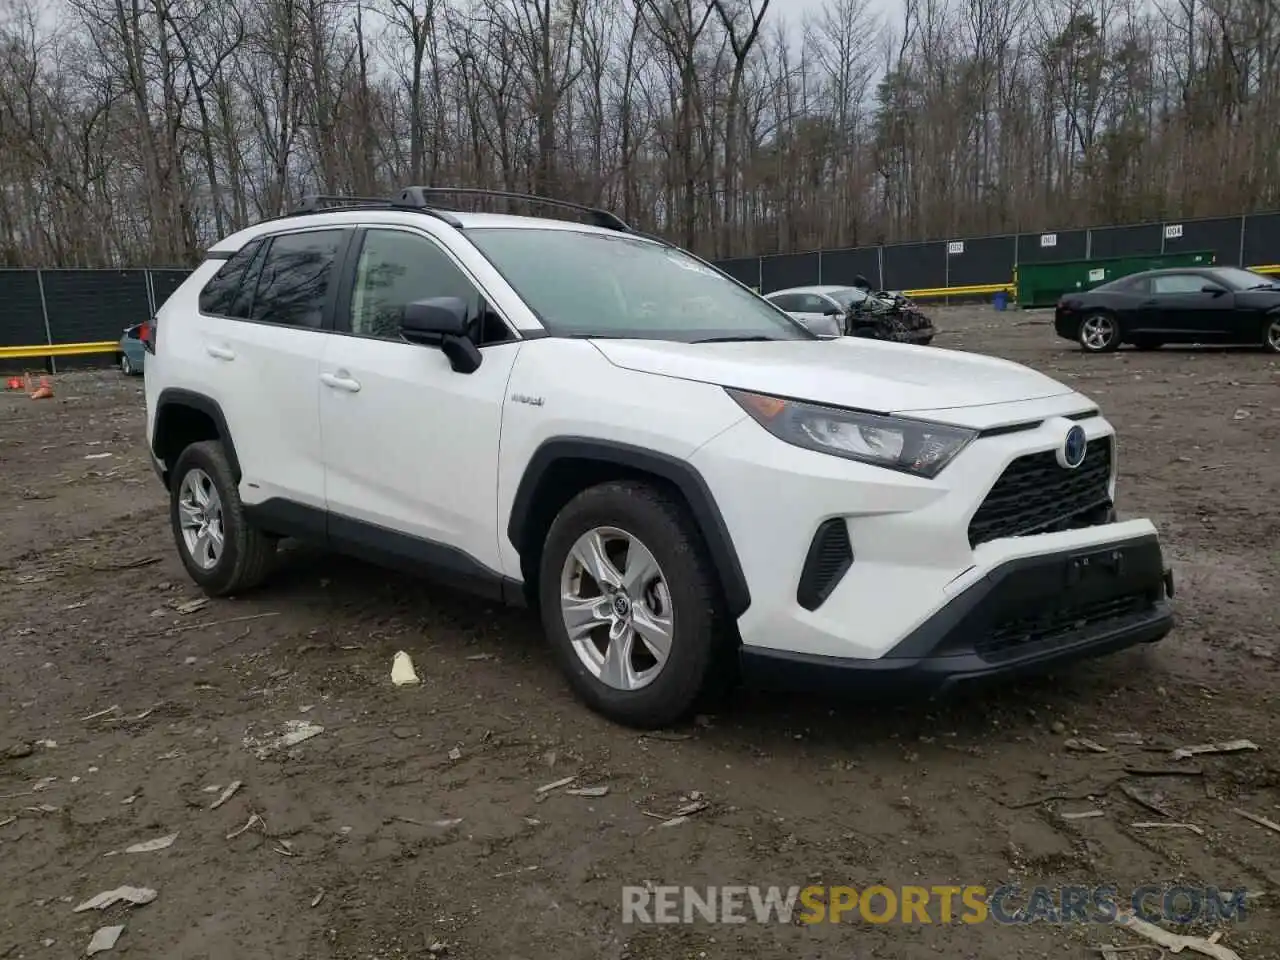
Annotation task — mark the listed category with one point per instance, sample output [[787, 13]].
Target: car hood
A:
[[861, 373]]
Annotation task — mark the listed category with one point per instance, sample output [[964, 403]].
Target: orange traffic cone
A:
[[44, 391]]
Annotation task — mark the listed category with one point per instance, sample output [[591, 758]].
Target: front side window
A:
[[295, 278], [1178, 283], [614, 285], [396, 268], [219, 296], [816, 304], [787, 301]]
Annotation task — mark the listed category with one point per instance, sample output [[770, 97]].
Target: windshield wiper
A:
[[753, 339]]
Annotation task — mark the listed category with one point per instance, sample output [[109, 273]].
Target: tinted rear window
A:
[[218, 297]]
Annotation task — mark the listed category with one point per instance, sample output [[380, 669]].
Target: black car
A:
[[1209, 305]]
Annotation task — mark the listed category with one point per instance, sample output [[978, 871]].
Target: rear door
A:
[[262, 340]]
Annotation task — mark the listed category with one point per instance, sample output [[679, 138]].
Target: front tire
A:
[[222, 552], [1271, 334], [1099, 333], [631, 604]]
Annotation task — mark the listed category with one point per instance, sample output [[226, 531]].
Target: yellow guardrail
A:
[[970, 291], [59, 350]]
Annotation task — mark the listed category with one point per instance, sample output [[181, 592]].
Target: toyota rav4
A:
[[689, 487]]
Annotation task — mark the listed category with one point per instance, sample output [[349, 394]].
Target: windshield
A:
[[601, 285], [1238, 279], [848, 297]]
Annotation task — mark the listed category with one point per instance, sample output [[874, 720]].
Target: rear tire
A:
[[223, 553], [657, 587], [1099, 333]]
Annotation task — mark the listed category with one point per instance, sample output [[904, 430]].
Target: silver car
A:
[[819, 308]]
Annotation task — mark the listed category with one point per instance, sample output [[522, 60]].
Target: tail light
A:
[[148, 335]]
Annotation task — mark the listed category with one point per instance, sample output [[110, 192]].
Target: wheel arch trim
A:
[[174, 397], [691, 484]]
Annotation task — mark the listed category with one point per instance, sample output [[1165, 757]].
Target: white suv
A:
[[691, 487]]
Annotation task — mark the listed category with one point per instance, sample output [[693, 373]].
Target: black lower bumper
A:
[[1066, 325], [1025, 615]]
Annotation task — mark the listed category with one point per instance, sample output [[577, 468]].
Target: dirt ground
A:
[[411, 825]]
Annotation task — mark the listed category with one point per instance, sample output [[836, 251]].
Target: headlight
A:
[[912, 446]]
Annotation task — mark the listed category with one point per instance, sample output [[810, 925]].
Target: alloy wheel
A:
[[1097, 332], [1273, 335], [617, 608], [200, 518]]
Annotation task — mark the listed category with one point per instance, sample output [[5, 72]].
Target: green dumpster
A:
[[1041, 284]]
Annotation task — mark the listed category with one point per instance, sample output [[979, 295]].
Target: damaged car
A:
[[856, 311]]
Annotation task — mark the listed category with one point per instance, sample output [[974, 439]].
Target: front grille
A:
[[1055, 626], [830, 557], [1036, 495]]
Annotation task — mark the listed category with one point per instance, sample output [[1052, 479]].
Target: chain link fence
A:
[[69, 307], [1248, 241]]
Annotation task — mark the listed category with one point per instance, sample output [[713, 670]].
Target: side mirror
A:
[[442, 321], [1213, 288], [428, 321]]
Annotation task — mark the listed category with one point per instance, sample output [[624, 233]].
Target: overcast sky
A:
[[796, 9]]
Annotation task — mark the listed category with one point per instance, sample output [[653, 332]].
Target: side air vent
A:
[[830, 557]]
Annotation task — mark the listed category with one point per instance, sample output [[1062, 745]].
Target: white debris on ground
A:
[[402, 672], [293, 733], [109, 898], [104, 938]]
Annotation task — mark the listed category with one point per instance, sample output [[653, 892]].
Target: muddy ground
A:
[[353, 852]]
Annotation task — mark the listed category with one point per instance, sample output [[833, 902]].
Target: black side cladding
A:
[[829, 558]]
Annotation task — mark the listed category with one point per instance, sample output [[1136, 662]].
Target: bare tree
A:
[[138, 131]]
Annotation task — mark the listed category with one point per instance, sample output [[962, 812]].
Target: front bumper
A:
[[1026, 614], [1066, 323]]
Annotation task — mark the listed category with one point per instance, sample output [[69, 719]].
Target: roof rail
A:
[[424, 197], [320, 203]]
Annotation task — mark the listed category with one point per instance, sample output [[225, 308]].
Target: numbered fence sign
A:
[[1173, 231], [1097, 275], [955, 247], [1048, 239]]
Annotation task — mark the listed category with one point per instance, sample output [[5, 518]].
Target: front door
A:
[[1180, 310], [411, 445]]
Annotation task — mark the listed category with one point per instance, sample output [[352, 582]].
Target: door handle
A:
[[219, 353], [340, 383]]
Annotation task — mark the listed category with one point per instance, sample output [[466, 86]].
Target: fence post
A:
[[44, 312], [880, 263], [1240, 263], [819, 268], [759, 274], [1088, 244], [151, 291]]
